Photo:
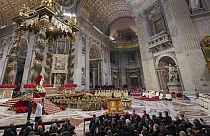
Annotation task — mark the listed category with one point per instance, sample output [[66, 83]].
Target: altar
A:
[[115, 106], [6, 90]]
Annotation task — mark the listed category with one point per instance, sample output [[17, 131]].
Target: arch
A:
[[170, 55], [95, 52], [163, 71]]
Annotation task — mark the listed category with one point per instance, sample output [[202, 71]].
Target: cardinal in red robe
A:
[[38, 79]]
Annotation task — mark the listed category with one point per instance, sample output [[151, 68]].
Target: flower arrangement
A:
[[47, 85], [70, 85], [78, 99], [8, 86], [26, 98], [39, 89], [34, 85], [29, 86]]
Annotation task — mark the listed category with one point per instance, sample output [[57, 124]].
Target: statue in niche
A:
[[83, 44], [57, 81], [195, 4], [172, 73], [83, 76]]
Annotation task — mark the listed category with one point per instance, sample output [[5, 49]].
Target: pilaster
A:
[[87, 63], [185, 39], [78, 64], [150, 76]]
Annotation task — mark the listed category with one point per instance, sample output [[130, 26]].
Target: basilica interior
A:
[[87, 58]]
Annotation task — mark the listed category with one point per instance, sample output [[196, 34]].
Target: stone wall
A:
[[123, 67], [186, 33], [202, 24]]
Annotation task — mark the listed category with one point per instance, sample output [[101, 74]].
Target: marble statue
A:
[[83, 76], [172, 72], [195, 4], [58, 79]]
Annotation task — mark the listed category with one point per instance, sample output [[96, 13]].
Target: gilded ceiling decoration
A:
[[10, 9], [102, 13]]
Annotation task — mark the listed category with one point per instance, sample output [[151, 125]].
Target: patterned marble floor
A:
[[175, 107]]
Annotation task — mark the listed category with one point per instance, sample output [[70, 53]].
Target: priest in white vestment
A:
[[38, 112]]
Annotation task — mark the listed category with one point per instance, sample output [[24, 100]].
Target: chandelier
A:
[[48, 19]]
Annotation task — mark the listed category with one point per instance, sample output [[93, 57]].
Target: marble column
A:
[[108, 63], [189, 55], [87, 63], [94, 78], [123, 64], [77, 61]]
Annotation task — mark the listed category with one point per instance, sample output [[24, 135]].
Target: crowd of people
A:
[[39, 129], [136, 125], [120, 125]]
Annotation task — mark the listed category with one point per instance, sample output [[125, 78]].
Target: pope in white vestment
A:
[[38, 112]]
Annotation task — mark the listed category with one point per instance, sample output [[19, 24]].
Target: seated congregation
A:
[[135, 125], [39, 129]]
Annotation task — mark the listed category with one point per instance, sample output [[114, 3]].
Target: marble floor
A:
[[175, 107]]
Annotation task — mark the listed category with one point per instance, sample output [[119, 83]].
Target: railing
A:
[[159, 39], [156, 36]]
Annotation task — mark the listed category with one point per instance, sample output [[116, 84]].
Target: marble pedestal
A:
[[197, 11], [174, 87]]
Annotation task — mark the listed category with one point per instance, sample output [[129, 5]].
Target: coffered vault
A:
[[101, 13]]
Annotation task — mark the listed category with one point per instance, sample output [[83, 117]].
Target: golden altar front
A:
[[115, 106], [126, 104]]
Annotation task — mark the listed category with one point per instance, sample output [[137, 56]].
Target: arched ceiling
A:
[[121, 25], [102, 13]]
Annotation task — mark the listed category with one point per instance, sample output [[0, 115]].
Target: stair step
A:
[[11, 102], [49, 107]]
